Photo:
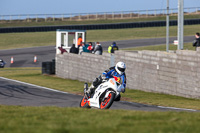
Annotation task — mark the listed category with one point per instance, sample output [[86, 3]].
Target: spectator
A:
[[90, 47], [80, 41], [112, 48], [98, 49], [85, 46], [196, 42], [73, 49], [115, 47], [62, 50]]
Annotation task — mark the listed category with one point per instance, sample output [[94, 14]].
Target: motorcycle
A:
[[104, 95]]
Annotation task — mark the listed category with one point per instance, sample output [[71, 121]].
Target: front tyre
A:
[[107, 102], [84, 102]]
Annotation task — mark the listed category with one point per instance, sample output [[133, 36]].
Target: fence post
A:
[[79, 16], [62, 17], [45, 18], [88, 17], [53, 17], [36, 18], [155, 13], [138, 13], [104, 15], [96, 16], [113, 15], [147, 13], [112, 60], [121, 15], [131, 14], [27, 18], [70, 17], [10, 18]]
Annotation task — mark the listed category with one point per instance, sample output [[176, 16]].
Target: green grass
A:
[[16, 119], [34, 76], [59, 22], [187, 46], [21, 40]]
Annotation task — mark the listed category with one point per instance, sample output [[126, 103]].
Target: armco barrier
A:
[[170, 73], [97, 26]]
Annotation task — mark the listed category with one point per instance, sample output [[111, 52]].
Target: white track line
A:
[[177, 108], [34, 85]]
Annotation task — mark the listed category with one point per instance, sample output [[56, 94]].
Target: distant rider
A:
[[118, 71]]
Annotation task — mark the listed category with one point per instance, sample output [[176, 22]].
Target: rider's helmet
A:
[[120, 67]]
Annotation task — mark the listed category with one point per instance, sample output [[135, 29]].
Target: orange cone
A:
[[11, 60], [35, 58]]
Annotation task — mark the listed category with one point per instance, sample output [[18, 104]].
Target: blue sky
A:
[[11, 7]]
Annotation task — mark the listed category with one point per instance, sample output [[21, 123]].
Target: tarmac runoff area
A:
[[13, 92]]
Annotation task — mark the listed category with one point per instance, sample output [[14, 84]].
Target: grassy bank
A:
[[33, 75], [21, 40], [64, 120], [100, 21]]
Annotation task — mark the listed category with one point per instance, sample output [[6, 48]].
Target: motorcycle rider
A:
[[118, 71]]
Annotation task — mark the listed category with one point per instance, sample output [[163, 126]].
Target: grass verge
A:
[[34, 76], [33, 39], [64, 120], [187, 46]]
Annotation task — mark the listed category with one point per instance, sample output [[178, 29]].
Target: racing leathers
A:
[[110, 73]]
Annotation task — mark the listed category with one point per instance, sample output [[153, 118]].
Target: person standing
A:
[[196, 42], [80, 40], [113, 48], [62, 50], [90, 47], [98, 49], [73, 49]]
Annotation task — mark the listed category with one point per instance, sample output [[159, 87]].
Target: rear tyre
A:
[[84, 103], [107, 102]]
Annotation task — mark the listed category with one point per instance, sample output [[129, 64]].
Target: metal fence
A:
[[95, 16]]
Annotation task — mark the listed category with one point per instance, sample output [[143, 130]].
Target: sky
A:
[[13, 7]]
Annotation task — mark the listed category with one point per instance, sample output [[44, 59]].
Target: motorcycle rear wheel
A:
[[84, 103], [107, 102]]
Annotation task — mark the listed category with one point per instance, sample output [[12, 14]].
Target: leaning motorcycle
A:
[[104, 95]]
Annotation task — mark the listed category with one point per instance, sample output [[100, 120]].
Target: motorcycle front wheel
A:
[[107, 102], [84, 103]]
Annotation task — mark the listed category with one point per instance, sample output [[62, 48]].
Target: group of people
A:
[[89, 48]]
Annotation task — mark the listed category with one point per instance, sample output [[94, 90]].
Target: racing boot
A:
[[90, 90]]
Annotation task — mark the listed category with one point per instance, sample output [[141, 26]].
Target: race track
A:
[[24, 94], [18, 93]]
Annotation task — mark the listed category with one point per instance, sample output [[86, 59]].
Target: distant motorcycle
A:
[[2, 63], [104, 95]]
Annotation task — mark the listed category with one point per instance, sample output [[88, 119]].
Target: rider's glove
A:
[[103, 76]]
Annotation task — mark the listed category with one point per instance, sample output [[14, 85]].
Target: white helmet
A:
[[120, 67]]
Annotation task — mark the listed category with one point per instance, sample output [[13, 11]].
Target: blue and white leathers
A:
[[113, 73]]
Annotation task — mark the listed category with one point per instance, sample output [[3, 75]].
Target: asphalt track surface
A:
[[25, 57], [14, 92]]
